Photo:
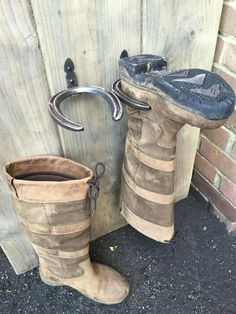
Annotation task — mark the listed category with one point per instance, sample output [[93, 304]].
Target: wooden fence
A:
[[37, 36]]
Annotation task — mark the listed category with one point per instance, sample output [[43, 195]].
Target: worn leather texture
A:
[[49, 194], [147, 192]]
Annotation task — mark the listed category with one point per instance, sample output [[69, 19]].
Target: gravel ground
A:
[[199, 278]]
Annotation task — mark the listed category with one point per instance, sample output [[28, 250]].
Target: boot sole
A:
[[55, 283]]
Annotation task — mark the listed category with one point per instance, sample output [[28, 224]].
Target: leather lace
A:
[[94, 189]]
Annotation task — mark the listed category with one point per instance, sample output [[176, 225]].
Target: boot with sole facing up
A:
[[162, 101], [49, 194]]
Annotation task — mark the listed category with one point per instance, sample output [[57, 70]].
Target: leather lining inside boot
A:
[[45, 176]]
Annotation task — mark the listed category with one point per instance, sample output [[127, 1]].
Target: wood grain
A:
[[185, 32], [37, 36], [25, 126], [92, 34]]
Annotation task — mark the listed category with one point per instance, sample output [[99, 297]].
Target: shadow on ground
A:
[[200, 278]]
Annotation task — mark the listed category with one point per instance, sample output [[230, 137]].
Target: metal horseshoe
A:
[[116, 88], [55, 102]]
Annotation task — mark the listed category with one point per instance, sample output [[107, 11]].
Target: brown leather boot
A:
[[49, 194], [162, 102]]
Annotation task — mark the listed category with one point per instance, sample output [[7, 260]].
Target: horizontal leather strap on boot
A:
[[62, 254], [64, 268], [151, 196], [161, 214], [157, 164], [151, 230], [57, 230]]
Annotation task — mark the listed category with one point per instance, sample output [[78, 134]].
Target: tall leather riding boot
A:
[[49, 194], [162, 102]]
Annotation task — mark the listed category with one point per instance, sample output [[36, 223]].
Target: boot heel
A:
[[50, 282]]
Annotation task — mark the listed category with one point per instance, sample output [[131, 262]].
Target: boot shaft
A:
[[49, 194]]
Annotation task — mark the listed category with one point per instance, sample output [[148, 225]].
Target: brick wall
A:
[[215, 163]]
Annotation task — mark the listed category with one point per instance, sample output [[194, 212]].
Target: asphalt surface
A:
[[200, 277]]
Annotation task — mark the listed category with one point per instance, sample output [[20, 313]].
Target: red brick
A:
[[228, 20], [218, 136], [233, 151], [229, 78], [219, 159], [219, 48], [231, 122], [215, 197], [230, 57], [229, 190], [205, 168]]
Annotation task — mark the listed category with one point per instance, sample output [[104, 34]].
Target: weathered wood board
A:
[[37, 36], [185, 32], [93, 34], [25, 127]]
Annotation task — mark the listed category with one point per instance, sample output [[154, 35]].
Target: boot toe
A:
[[114, 288]]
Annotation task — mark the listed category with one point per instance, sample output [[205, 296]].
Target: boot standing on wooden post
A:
[[160, 103], [50, 195]]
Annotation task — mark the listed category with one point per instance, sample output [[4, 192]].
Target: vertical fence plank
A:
[[185, 32], [93, 34], [25, 127]]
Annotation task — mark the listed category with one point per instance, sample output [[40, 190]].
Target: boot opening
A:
[[47, 168], [45, 176]]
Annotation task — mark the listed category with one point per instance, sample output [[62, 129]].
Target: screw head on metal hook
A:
[[71, 78]]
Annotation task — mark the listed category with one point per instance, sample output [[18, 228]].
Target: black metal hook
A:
[[71, 79]]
